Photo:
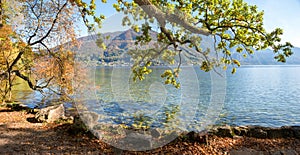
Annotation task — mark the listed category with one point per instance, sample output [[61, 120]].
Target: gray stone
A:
[[155, 133], [90, 118], [117, 151], [285, 152], [51, 114], [247, 151], [139, 141]]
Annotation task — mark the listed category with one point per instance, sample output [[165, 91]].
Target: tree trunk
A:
[[1, 14]]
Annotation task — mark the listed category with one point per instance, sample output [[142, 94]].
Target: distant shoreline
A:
[[158, 66]]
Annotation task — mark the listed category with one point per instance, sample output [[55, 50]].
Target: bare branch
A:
[[52, 26], [37, 17]]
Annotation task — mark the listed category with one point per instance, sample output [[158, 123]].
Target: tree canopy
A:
[[34, 48], [233, 24], [45, 27]]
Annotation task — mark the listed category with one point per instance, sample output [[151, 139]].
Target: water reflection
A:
[[34, 99], [256, 95]]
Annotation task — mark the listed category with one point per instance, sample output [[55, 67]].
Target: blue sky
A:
[[278, 13], [284, 14]]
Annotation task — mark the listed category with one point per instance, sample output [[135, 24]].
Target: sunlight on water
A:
[[255, 95]]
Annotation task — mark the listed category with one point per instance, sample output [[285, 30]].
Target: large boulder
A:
[[51, 114]]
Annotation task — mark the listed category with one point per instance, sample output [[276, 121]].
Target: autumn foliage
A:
[[10, 48], [38, 51]]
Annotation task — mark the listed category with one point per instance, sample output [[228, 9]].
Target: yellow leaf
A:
[[233, 70], [236, 62]]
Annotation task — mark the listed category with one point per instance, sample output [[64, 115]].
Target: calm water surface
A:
[[255, 95], [264, 95]]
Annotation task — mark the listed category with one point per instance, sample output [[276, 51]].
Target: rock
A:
[[240, 130], [197, 136], [155, 133], [77, 127], [223, 131], [247, 151], [192, 136], [285, 152], [18, 106], [138, 141], [274, 132], [89, 118], [117, 151], [51, 114], [287, 131], [257, 132], [296, 130]]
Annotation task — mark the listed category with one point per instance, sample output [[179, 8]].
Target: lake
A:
[[254, 95], [264, 95]]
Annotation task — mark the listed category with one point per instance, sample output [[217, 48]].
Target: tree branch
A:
[[30, 84], [52, 26], [162, 17]]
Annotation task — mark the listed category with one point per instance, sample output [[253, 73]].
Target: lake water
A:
[[263, 95], [255, 95]]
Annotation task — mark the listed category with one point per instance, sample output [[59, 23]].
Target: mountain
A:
[[266, 57], [117, 43]]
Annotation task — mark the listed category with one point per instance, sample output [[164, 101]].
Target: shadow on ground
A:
[[25, 136], [57, 140]]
